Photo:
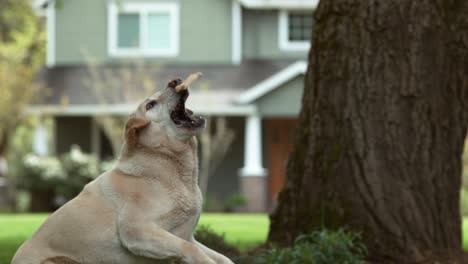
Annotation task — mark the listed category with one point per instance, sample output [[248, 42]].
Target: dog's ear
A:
[[132, 128]]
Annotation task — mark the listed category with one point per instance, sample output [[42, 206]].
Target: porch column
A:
[[40, 145], [252, 175]]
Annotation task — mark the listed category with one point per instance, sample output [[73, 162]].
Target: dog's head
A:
[[162, 119]]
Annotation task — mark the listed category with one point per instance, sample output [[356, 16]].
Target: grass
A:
[[241, 230], [14, 229]]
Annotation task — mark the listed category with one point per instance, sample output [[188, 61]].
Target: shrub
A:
[[320, 247], [211, 203], [217, 242], [233, 202], [80, 168], [65, 176], [39, 173]]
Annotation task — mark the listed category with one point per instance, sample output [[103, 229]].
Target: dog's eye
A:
[[150, 105]]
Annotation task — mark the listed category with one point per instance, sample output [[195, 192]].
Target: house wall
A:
[[205, 32], [260, 37], [284, 101]]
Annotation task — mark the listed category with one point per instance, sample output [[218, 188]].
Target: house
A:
[[252, 53]]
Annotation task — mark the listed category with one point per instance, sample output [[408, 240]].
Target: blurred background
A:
[[74, 70]]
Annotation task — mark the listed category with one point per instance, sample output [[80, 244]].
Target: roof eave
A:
[[126, 109], [271, 83]]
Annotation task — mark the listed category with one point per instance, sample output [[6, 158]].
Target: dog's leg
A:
[[219, 258], [148, 240]]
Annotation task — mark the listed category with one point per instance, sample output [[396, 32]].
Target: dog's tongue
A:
[[190, 79]]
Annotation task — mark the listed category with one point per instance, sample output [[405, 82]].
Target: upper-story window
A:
[[143, 29], [295, 30]]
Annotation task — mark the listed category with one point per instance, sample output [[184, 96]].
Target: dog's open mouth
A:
[[184, 117]]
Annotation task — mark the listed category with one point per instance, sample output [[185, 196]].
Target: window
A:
[[295, 30], [143, 29]]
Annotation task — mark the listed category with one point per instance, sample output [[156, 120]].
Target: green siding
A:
[[260, 38], [284, 101], [205, 32], [80, 31]]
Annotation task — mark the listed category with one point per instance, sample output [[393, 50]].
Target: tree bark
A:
[[381, 132]]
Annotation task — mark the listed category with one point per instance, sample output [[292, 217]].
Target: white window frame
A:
[[142, 9], [284, 43]]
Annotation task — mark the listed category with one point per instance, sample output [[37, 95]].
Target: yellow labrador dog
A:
[[146, 208]]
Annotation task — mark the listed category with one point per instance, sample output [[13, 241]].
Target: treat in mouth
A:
[[181, 116], [185, 84]]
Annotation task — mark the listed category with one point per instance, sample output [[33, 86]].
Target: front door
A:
[[279, 140]]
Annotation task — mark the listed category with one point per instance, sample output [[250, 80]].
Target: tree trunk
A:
[[381, 132]]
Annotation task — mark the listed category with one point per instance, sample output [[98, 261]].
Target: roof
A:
[[280, 4], [82, 90], [272, 82]]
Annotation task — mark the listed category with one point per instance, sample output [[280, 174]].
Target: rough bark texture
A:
[[381, 132]]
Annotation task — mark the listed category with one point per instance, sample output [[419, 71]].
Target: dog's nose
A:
[[174, 83]]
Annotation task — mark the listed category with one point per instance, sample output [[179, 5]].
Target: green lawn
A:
[[242, 230]]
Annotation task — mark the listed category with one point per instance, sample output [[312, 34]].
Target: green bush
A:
[[233, 202], [217, 242], [39, 173], [63, 176], [80, 168], [320, 247]]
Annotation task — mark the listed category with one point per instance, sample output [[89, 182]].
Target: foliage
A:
[[233, 202], [211, 203], [128, 82], [66, 175], [319, 247], [79, 168], [208, 237], [22, 45], [39, 173]]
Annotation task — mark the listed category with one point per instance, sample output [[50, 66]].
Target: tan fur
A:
[[143, 211], [59, 260]]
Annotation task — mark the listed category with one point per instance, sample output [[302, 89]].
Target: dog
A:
[[145, 209]]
